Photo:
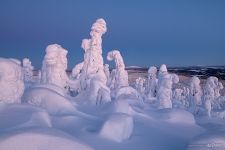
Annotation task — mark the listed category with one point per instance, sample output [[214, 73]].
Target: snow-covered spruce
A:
[[93, 79], [54, 66], [152, 81], [139, 85], [118, 82], [27, 70], [164, 92], [195, 95], [211, 94]]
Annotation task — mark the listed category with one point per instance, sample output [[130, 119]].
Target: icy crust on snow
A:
[[11, 81]]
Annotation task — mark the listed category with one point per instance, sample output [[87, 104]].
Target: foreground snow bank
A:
[[14, 116], [40, 139]]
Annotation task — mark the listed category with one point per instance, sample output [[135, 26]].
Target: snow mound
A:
[[49, 99], [118, 127], [127, 92], [122, 106], [40, 139], [19, 116], [177, 116], [206, 141]]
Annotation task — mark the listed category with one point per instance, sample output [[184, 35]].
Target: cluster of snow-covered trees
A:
[[197, 98]]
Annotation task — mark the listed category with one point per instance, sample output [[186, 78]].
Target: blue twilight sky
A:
[[147, 32]]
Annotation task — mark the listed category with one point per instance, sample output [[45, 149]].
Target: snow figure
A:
[[54, 66], [76, 71], [27, 70], [11, 81], [93, 77], [151, 82], [164, 92], [139, 85], [195, 94]]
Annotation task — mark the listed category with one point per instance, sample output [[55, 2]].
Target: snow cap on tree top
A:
[[163, 68], [152, 70], [55, 48], [99, 26]]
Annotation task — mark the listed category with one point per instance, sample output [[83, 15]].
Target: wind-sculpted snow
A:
[[11, 81]]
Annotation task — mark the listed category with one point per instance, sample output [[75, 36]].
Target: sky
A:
[[146, 32]]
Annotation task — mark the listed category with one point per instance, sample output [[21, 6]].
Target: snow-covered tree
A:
[[211, 94], [139, 85], [121, 75], [178, 98], [93, 77], [11, 81], [107, 72], [195, 94], [54, 66], [151, 84], [165, 83], [27, 70], [76, 71]]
